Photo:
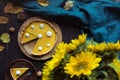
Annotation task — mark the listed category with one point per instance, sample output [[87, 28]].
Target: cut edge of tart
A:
[[27, 37], [44, 48]]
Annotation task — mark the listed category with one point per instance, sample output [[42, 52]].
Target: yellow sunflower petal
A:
[[82, 38], [116, 66]]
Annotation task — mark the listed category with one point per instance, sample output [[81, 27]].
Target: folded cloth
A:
[[100, 17]]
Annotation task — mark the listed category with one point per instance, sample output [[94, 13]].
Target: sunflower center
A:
[[81, 65]]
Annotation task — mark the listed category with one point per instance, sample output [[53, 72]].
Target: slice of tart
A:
[[27, 37], [17, 72]]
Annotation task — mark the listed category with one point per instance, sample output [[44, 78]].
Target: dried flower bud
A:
[[12, 9], [68, 5], [43, 2], [1, 48], [39, 73], [11, 29], [21, 16], [3, 20]]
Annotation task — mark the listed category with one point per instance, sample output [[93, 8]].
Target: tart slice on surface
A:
[[27, 37], [17, 72]]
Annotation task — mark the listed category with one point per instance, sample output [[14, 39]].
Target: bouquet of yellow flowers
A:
[[83, 59]]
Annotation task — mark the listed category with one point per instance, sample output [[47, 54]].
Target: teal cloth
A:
[[100, 17]]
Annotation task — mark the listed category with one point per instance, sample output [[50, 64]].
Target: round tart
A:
[[37, 38]]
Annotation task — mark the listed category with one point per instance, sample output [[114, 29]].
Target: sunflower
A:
[[60, 52], [98, 47], [118, 45], [45, 73], [82, 63], [116, 66], [113, 46], [82, 38], [76, 42], [49, 66]]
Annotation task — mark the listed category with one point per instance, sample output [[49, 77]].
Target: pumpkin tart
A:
[[43, 33]]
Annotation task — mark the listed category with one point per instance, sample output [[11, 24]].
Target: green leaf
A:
[[94, 75]]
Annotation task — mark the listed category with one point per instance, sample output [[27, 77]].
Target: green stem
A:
[[78, 77]]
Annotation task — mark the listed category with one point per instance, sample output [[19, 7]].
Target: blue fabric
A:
[[100, 17]]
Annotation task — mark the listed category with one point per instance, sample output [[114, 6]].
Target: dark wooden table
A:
[[12, 50]]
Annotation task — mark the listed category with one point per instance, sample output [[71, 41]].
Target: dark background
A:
[[12, 50]]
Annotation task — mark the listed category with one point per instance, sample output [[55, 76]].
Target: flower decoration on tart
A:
[[44, 34], [17, 72]]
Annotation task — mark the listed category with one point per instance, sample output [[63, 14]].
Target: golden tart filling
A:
[[26, 37], [17, 72], [45, 34]]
